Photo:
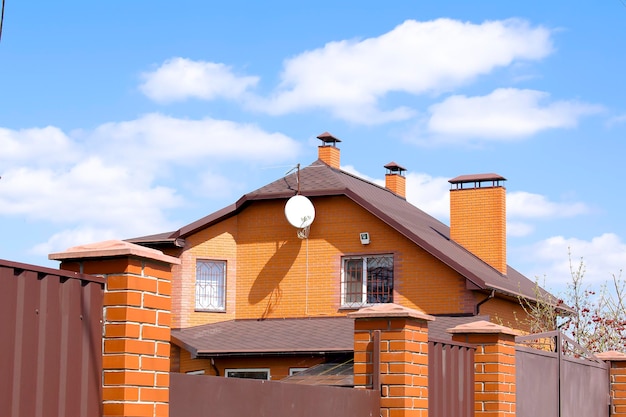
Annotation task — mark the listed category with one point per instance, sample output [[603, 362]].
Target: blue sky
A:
[[121, 119]]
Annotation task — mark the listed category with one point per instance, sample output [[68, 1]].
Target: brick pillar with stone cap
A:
[[617, 378], [137, 309], [494, 364], [403, 339]]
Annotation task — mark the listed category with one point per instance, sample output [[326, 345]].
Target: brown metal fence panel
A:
[[450, 379], [537, 383], [584, 388], [204, 396], [553, 384], [50, 342]]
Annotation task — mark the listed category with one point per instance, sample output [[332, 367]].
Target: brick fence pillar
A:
[[137, 308], [494, 363], [403, 358], [617, 378]]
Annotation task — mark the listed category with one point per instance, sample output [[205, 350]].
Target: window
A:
[[199, 372], [293, 371], [366, 280], [210, 285], [254, 373]]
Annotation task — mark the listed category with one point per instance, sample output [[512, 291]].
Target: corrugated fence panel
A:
[[214, 396], [51, 343], [450, 379]]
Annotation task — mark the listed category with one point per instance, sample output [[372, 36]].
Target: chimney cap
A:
[[328, 139], [395, 168], [476, 178]]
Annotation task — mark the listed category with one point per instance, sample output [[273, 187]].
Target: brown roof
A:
[[320, 180], [267, 337], [476, 178], [314, 335]]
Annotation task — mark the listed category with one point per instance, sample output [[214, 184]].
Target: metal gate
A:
[[450, 379], [557, 377]]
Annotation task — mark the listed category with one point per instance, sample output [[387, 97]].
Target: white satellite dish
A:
[[299, 211]]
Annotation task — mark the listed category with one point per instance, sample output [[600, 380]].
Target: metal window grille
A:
[[210, 285], [353, 285], [380, 279], [367, 280]]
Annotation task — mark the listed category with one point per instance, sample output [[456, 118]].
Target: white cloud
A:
[[164, 139], [616, 120], [72, 237], [352, 170], [349, 77], [528, 205], [518, 229], [111, 182], [603, 256], [90, 192], [504, 114], [215, 184], [178, 79], [430, 194], [46, 146]]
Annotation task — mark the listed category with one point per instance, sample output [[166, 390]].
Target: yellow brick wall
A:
[[396, 183], [330, 155], [214, 243], [506, 313], [478, 222], [277, 275]]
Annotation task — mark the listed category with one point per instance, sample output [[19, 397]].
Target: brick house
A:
[[251, 298]]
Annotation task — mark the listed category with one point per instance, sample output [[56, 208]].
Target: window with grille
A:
[[367, 280], [210, 285]]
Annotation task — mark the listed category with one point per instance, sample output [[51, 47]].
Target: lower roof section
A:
[[293, 336], [268, 337]]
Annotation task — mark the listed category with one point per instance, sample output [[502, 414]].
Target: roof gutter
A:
[[201, 355], [566, 310], [489, 297]]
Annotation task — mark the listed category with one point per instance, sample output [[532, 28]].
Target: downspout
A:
[[217, 371], [489, 297]]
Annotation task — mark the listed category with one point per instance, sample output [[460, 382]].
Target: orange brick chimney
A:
[[328, 152], [478, 217], [395, 181]]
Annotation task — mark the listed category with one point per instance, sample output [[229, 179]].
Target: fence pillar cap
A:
[[482, 327], [389, 310], [611, 355], [112, 248]]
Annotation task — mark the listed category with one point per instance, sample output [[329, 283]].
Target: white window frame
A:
[[214, 298], [293, 371], [198, 372], [229, 371], [363, 258]]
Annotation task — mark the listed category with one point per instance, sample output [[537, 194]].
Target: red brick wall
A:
[[137, 320]]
